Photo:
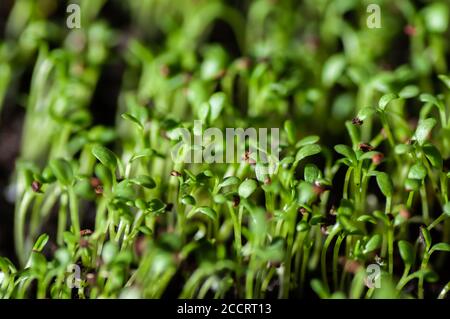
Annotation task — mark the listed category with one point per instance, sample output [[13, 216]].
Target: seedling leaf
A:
[[247, 188], [424, 129], [105, 156], [406, 252], [306, 151]]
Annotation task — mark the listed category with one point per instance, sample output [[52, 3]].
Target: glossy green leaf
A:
[[133, 119], [436, 16], [445, 79], [366, 113], [211, 213], [440, 247], [367, 218], [373, 243], [433, 155], [289, 128], [105, 156], [319, 288], [40, 243], [141, 204], [306, 151], [424, 129], [303, 226], [428, 98], [346, 151], [147, 152], [312, 173], [188, 200], [333, 69], [385, 184], [306, 193], [417, 171], [247, 188], [406, 252], [412, 184], [217, 102], [156, 205], [124, 190], [62, 170], [104, 174], [144, 181], [403, 148], [409, 91], [354, 132], [446, 209], [311, 139], [109, 252], [386, 99], [230, 181]]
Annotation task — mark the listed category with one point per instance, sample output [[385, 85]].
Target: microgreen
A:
[[101, 187]]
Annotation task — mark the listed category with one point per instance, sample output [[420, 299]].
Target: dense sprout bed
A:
[[95, 205]]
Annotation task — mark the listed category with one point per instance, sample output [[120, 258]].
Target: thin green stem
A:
[[19, 225], [73, 207], [323, 256], [336, 248], [444, 291], [423, 266]]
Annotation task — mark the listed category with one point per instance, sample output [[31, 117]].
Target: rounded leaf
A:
[[62, 170], [436, 16], [346, 151], [445, 79], [312, 173], [311, 139], [406, 252], [386, 99], [289, 128], [403, 148], [433, 155], [229, 181], [188, 200], [217, 102], [417, 171], [155, 205], [441, 247], [211, 213], [365, 113], [409, 91], [333, 69], [247, 188], [446, 209], [412, 185], [40, 243], [109, 252], [373, 243], [424, 129], [144, 181], [385, 184], [147, 152], [105, 156], [307, 150]]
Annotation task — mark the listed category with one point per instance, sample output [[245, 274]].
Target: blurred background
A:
[[326, 61]]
